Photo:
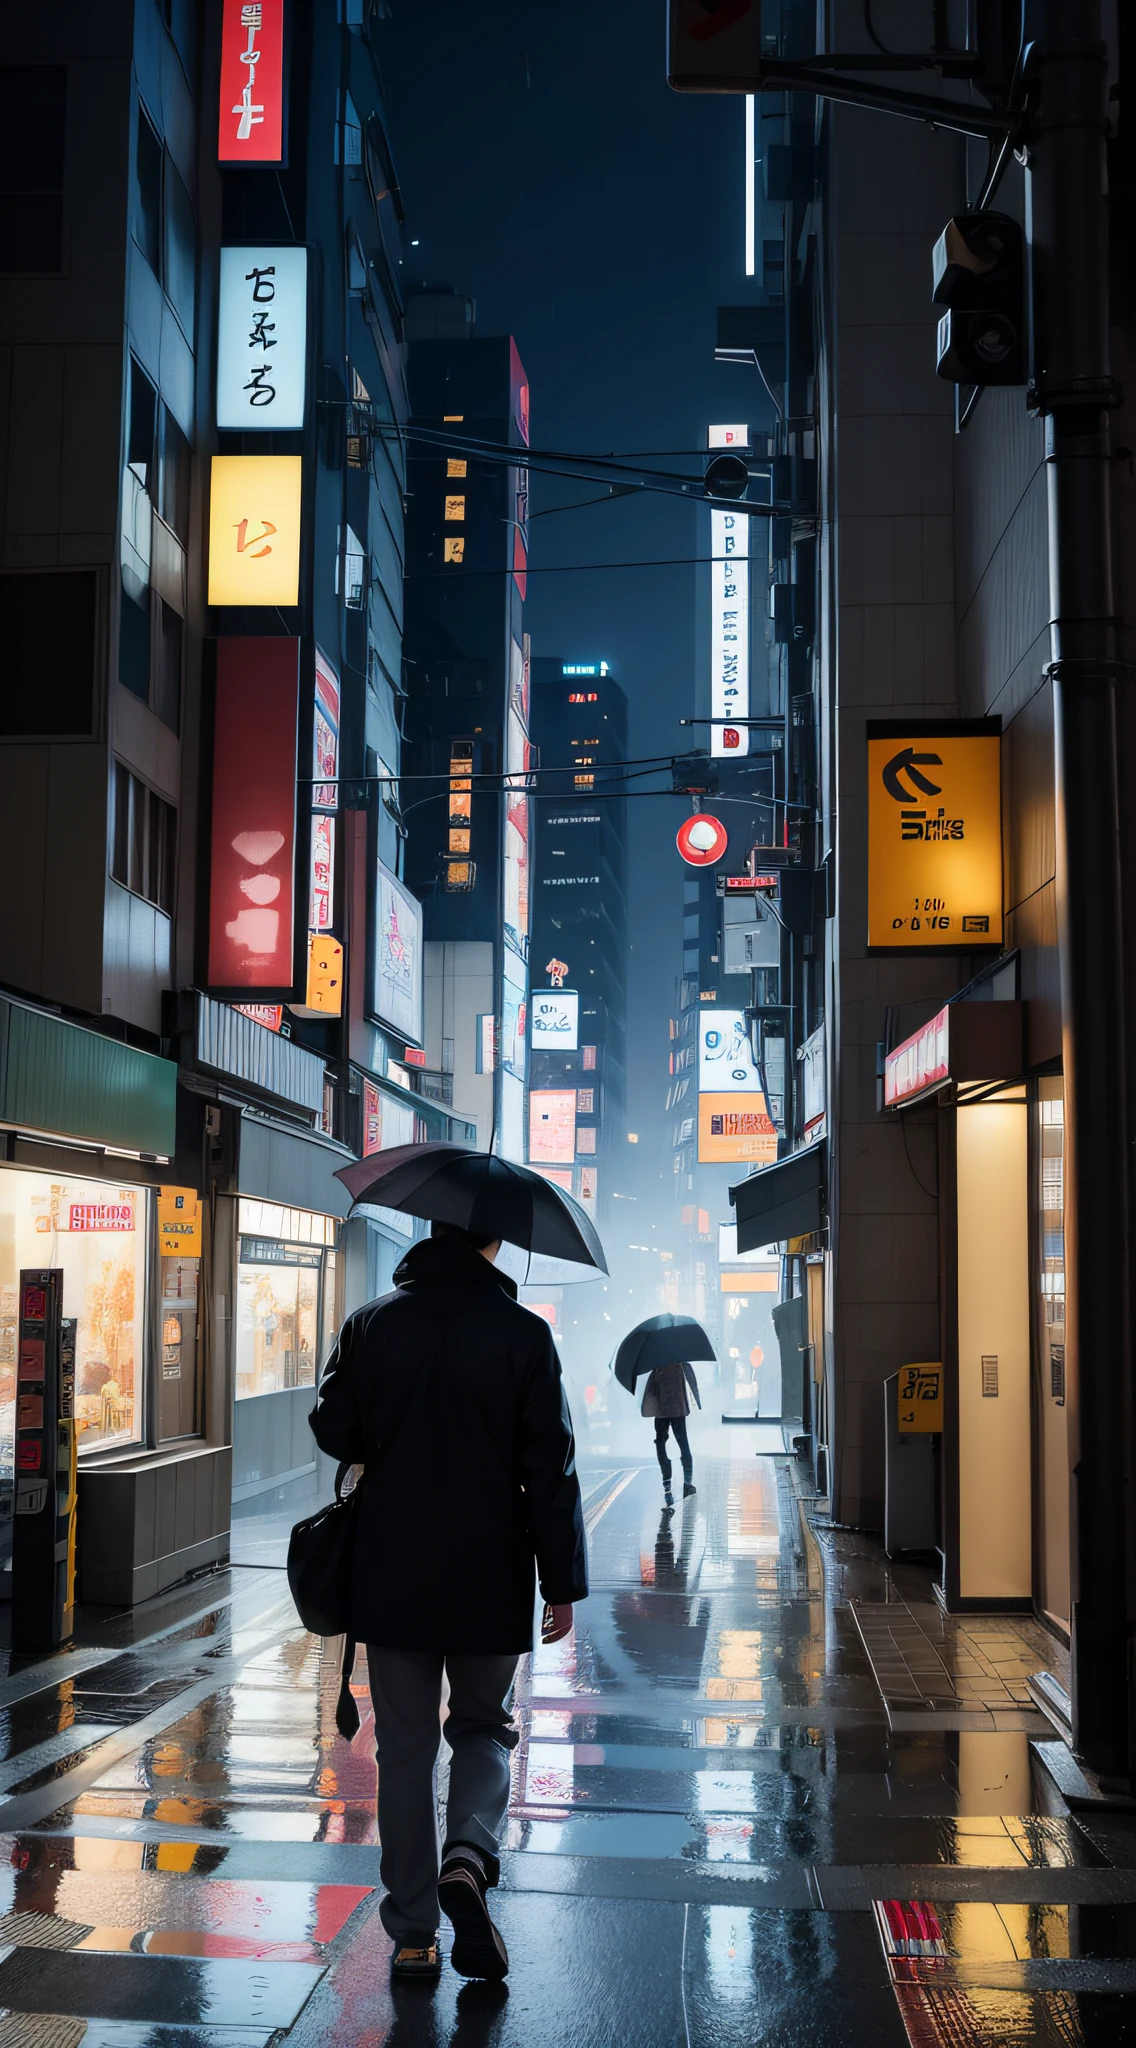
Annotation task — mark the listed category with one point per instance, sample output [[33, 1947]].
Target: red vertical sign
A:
[[250, 128], [254, 814]]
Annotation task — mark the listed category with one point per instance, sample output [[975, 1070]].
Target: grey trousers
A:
[[406, 1691]]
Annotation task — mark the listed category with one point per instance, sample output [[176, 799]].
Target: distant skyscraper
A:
[[467, 854], [577, 1082]]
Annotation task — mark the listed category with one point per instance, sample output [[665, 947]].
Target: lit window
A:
[[455, 508], [454, 548], [459, 809], [448, 416], [454, 467], [584, 760], [459, 839], [460, 874], [584, 781]]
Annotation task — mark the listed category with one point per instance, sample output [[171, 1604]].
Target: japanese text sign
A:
[[935, 834], [262, 339], [250, 127], [254, 530]]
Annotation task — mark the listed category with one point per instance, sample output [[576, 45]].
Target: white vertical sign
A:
[[262, 338], [729, 632]]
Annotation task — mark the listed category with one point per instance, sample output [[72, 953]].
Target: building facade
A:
[[578, 1030], [467, 709], [213, 981]]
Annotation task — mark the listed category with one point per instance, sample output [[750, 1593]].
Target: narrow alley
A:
[[721, 1831]]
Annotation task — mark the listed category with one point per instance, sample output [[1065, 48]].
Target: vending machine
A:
[[43, 1526]]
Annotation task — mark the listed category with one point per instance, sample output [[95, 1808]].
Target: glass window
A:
[[177, 1386], [179, 235], [95, 1231], [278, 1316], [144, 839], [148, 194], [174, 490]]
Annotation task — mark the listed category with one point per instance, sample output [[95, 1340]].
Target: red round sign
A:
[[702, 840]]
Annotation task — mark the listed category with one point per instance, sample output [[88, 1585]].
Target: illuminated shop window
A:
[[97, 1232], [287, 1309]]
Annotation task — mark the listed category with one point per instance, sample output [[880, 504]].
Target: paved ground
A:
[[720, 1832]]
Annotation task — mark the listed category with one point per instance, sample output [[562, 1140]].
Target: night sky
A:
[[597, 216]]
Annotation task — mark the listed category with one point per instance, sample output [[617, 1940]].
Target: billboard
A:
[[725, 1056], [325, 736], [253, 845], [935, 834], [398, 956], [250, 126], [729, 631], [733, 1128], [552, 1126], [514, 1016], [516, 880], [254, 529], [262, 339], [555, 1019]]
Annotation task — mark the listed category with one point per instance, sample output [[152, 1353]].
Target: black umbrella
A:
[[477, 1191], [661, 1340]]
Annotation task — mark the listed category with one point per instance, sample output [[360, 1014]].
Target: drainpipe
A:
[[1068, 234]]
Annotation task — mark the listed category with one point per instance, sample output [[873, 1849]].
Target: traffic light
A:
[[979, 266], [727, 476]]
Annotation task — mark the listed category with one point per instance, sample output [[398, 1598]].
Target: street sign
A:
[[935, 834], [702, 840]]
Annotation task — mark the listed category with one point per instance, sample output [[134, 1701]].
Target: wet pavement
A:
[[765, 1794]]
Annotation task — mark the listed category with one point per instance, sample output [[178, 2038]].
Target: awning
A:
[[785, 1200], [58, 1077]]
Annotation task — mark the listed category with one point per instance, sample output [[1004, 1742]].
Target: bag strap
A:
[[346, 1711]]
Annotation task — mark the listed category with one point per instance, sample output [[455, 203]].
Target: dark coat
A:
[[666, 1391], [449, 1394]]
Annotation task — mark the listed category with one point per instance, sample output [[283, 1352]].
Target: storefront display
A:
[[287, 1305], [97, 1233]]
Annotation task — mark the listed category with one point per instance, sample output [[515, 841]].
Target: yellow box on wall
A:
[[254, 529], [935, 834]]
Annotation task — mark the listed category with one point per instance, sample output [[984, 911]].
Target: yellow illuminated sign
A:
[[920, 1399], [254, 530], [935, 835], [325, 974], [179, 1223]]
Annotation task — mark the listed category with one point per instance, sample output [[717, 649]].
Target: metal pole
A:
[[1068, 232]]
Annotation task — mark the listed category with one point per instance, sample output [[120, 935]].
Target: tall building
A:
[[467, 711], [577, 1105], [212, 978]]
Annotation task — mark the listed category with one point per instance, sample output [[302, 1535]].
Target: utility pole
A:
[[1069, 245]]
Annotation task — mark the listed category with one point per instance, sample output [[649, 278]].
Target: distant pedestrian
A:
[[666, 1396], [449, 1394]]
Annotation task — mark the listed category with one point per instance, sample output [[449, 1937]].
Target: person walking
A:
[[449, 1395], [666, 1396]]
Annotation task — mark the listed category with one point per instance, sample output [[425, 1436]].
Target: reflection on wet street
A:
[[765, 1793]]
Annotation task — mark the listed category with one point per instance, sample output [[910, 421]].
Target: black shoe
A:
[[688, 1489], [478, 1949], [418, 1960]]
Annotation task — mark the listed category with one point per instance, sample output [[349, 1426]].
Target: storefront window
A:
[[286, 1297], [177, 1387], [1051, 1205], [96, 1232]]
